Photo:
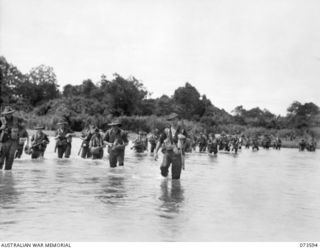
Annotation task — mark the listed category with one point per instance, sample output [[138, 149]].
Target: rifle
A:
[[42, 142], [80, 148]]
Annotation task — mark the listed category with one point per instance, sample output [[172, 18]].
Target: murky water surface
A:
[[253, 196]]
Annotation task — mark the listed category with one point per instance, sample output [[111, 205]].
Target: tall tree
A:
[[187, 99], [44, 77], [125, 96]]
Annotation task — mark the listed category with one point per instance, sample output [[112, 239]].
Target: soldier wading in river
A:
[[23, 137], [173, 148], [9, 137], [96, 145], [39, 143], [117, 140], [64, 140], [86, 137]]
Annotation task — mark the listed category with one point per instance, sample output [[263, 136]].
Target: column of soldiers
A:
[[174, 141]]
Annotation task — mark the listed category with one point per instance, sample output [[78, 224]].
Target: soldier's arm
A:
[[90, 142], [57, 136], [46, 139], [2, 123], [159, 143], [32, 140], [106, 139], [28, 139], [70, 133], [125, 139]]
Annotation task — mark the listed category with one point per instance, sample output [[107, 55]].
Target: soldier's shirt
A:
[[173, 140], [86, 135], [141, 140], [37, 138], [96, 140], [119, 136], [62, 133], [7, 125]]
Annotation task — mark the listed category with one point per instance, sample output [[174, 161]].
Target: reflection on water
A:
[[9, 196], [253, 196], [112, 189], [171, 197]]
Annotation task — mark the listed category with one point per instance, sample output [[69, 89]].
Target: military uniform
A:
[[96, 146], [141, 143], [23, 135], [255, 144], [302, 145], [85, 150], [213, 145], [9, 139], [63, 142], [39, 143], [153, 139], [173, 152], [116, 152], [202, 143]]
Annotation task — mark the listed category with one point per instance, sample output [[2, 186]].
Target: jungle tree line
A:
[[38, 92]]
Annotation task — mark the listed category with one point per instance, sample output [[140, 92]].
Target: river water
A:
[[253, 196]]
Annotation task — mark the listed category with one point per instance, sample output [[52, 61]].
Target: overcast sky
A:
[[248, 52]]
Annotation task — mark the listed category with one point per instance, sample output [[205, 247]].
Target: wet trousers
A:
[[37, 153], [153, 146], [85, 152], [173, 159], [7, 153], [19, 151], [116, 157], [202, 147], [64, 150], [98, 155]]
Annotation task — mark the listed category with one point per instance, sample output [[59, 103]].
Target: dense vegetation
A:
[[37, 97]]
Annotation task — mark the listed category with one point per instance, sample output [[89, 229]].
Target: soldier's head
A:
[[115, 125], [39, 129], [173, 118]]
